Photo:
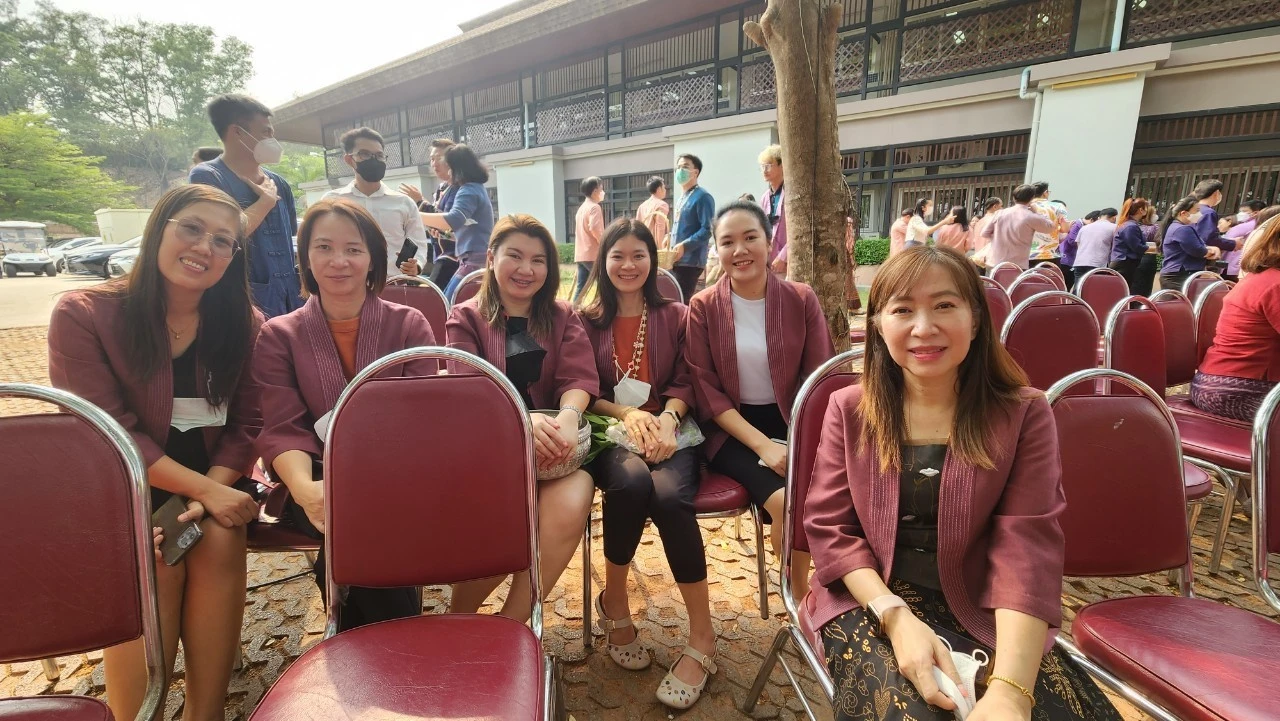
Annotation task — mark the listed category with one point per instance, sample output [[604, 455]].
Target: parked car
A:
[[22, 245], [63, 248], [93, 261], [122, 263]]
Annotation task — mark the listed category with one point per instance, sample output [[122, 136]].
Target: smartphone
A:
[[179, 537], [407, 252]]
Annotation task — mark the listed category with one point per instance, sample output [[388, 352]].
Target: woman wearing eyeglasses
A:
[[166, 352]]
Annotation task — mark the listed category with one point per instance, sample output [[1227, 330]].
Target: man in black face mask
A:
[[395, 212]]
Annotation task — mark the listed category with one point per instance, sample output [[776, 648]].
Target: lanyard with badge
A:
[[630, 390]]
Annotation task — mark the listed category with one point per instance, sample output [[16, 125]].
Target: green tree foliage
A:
[[300, 164], [133, 93], [44, 178]]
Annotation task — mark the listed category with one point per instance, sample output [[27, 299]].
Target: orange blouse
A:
[[344, 337], [625, 331]]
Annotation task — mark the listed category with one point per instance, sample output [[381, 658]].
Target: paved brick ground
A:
[[284, 619]]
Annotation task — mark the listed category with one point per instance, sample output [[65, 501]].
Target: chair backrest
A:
[[1208, 308], [1198, 283], [807, 415], [1052, 335], [669, 287], [1005, 273], [1134, 342], [467, 287], [1031, 283], [76, 536], [1101, 289], [1179, 320], [998, 303], [422, 294], [393, 520], [1266, 493], [1053, 273], [1121, 460]]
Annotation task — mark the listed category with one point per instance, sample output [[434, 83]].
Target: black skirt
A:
[[869, 686]]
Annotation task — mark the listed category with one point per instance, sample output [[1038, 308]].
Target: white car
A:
[[122, 263], [59, 252]]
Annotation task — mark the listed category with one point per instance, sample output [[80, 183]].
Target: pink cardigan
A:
[[87, 357], [712, 351], [297, 366], [999, 541], [668, 372], [567, 366]]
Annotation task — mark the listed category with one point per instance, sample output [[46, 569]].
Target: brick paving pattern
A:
[[284, 619]]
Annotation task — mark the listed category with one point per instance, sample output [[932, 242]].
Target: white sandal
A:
[[630, 656], [676, 693]]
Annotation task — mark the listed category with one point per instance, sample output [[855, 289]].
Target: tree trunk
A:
[[800, 36]]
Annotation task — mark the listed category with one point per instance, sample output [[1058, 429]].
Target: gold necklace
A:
[[177, 335], [638, 345]]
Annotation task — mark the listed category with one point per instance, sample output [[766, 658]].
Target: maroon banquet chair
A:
[[1052, 335], [1031, 283], [422, 294], [1101, 289], [669, 287], [77, 549], [998, 303], [1051, 269], [1208, 308], [1174, 657], [467, 287], [1005, 273], [1197, 283], [1179, 320], [390, 522], [807, 415], [1266, 495]]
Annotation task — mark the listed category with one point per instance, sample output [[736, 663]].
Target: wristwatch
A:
[[881, 605]]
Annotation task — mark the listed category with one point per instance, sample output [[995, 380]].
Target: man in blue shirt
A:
[[248, 141], [692, 235]]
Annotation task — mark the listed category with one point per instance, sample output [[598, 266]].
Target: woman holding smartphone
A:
[[166, 351]]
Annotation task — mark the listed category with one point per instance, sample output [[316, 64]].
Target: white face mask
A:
[[1242, 216], [189, 413], [1194, 218], [631, 392], [267, 151]]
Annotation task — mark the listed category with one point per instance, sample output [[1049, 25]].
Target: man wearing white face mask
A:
[[249, 142]]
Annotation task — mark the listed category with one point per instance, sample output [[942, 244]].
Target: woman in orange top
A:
[[638, 339]]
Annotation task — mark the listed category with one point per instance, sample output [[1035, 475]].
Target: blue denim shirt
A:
[[470, 214], [693, 229], [273, 269]]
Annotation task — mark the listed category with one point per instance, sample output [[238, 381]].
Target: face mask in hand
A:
[[682, 175], [372, 169], [266, 151]]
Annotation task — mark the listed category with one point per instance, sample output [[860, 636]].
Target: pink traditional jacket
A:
[[87, 357], [999, 541], [799, 343], [668, 372], [568, 365], [298, 368]]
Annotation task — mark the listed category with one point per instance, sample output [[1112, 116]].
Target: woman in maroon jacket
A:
[[166, 352], [305, 359], [516, 323], [638, 337], [933, 513], [752, 342]]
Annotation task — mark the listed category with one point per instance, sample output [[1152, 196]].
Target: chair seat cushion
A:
[[1218, 440], [449, 666], [54, 708], [1199, 659], [279, 536], [1198, 483], [718, 493]]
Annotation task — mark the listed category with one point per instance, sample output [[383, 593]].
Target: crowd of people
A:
[[245, 356]]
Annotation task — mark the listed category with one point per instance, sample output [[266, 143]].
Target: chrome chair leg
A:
[[766, 668], [762, 567], [1224, 523], [586, 587], [51, 670]]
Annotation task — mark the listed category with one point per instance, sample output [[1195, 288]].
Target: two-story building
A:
[[951, 99]]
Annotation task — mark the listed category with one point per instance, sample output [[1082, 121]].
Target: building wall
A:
[[947, 119], [730, 161], [535, 187]]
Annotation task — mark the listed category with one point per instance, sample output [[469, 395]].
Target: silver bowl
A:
[[574, 462]]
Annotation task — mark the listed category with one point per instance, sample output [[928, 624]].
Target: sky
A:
[[296, 48]]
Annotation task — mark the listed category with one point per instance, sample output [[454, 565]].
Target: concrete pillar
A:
[[730, 161], [1084, 144], [533, 182]]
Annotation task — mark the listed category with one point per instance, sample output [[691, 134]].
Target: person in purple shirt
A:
[[1129, 244], [1185, 246], [1068, 247], [1246, 221]]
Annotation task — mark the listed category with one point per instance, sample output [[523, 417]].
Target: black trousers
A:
[[360, 605], [1175, 280], [687, 276], [1128, 269], [634, 491], [1144, 278], [741, 464]]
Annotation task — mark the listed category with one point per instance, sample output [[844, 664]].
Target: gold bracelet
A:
[[1021, 689]]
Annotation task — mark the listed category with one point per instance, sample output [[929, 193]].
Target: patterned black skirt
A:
[[869, 686]]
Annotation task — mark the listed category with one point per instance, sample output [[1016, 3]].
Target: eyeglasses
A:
[[365, 155], [191, 233], [766, 166]]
